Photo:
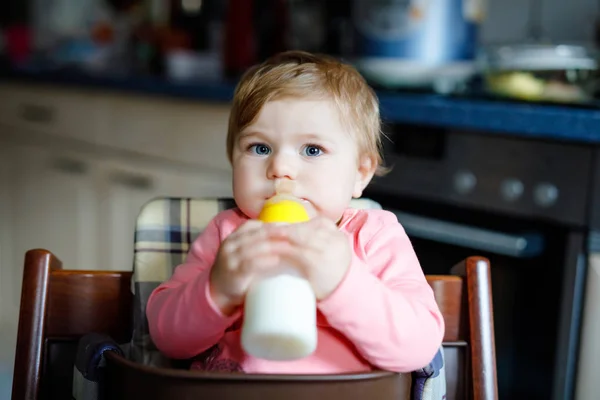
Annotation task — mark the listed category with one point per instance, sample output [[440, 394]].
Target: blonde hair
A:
[[304, 75]]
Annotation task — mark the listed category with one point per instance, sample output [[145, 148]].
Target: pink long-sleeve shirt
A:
[[382, 315]]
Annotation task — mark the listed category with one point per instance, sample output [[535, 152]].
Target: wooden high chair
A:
[[59, 306]]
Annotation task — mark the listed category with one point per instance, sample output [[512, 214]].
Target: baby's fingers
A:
[[256, 266], [305, 234], [247, 234], [248, 228], [250, 225], [260, 248]]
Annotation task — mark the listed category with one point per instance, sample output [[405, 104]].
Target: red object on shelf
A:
[[254, 30], [240, 47], [18, 43]]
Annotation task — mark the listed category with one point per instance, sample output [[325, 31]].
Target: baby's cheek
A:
[[250, 212], [310, 209]]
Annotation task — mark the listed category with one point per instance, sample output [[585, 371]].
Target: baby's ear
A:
[[367, 165]]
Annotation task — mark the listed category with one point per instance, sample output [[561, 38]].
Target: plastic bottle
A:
[[280, 310]]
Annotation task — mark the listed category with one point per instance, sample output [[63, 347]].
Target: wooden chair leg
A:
[[34, 304], [476, 271]]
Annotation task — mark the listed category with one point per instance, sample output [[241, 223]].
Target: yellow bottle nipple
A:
[[283, 208], [284, 211]]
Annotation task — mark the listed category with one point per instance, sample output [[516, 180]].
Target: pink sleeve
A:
[[385, 305], [182, 318]]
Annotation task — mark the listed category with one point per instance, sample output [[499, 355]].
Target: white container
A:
[[280, 318]]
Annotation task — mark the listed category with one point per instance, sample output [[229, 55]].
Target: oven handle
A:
[[522, 246]]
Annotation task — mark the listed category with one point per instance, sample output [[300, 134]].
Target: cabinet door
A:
[[124, 191], [47, 200], [55, 200], [9, 274], [128, 186], [7, 258]]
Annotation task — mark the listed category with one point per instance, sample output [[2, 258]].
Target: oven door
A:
[[529, 268]]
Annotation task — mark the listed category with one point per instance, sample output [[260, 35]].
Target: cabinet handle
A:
[[70, 165], [36, 113], [134, 181]]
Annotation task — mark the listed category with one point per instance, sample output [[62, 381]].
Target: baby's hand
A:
[[320, 250], [246, 253]]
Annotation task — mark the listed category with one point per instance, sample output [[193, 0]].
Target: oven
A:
[[524, 205]]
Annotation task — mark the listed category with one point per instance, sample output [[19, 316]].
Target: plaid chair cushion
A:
[[165, 229]]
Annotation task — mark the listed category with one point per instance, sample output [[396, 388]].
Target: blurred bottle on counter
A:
[[339, 32], [192, 17], [154, 35], [173, 34], [597, 31]]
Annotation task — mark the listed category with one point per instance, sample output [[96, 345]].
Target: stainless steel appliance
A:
[[527, 206]]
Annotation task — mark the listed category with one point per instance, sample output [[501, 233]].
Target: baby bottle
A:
[[280, 309]]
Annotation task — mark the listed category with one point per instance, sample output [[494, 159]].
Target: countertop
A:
[[488, 116]]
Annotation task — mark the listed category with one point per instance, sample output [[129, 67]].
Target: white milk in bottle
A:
[[280, 310]]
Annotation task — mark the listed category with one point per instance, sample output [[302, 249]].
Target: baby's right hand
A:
[[246, 253]]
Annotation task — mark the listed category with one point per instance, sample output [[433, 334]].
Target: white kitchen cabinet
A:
[[8, 268], [166, 130], [5, 221], [123, 192], [7, 279], [47, 201], [126, 187], [62, 113], [175, 130], [83, 207], [77, 167], [55, 200]]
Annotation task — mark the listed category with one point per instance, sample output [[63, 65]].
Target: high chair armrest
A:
[[90, 362]]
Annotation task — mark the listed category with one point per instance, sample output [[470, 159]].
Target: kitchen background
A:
[[492, 108]]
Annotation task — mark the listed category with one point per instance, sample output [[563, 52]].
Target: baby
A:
[[314, 121]]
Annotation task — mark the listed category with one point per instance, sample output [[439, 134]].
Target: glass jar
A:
[[540, 73]]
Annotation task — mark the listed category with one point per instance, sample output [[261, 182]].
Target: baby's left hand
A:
[[320, 251]]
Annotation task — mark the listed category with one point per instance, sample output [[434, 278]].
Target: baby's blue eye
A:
[[260, 149], [313, 151]]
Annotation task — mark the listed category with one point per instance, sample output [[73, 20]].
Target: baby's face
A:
[[303, 141]]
